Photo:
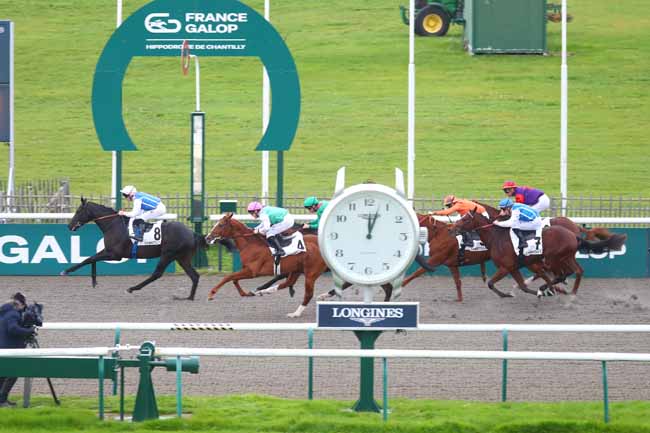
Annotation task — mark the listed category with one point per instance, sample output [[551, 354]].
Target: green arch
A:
[[253, 37]]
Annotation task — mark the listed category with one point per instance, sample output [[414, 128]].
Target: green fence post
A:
[[385, 389], [100, 367], [504, 368], [310, 374], [366, 402], [605, 393], [121, 393], [179, 389], [116, 354], [145, 401]]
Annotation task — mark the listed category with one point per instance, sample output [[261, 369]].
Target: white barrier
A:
[[179, 326], [63, 216], [78, 351], [402, 353]]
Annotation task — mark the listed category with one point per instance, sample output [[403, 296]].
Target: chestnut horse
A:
[[257, 260], [558, 258], [443, 250]]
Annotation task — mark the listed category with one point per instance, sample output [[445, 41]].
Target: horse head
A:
[[467, 223], [81, 216], [221, 230]]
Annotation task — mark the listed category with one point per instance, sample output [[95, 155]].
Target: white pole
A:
[[564, 111], [11, 178], [266, 104], [118, 23], [411, 104], [197, 82]]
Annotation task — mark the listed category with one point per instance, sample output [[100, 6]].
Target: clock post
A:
[[368, 236]]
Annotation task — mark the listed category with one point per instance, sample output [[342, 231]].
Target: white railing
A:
[[301, 217], [73, 351], [63, 216], [179, 326]]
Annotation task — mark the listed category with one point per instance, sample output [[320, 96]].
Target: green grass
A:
[[268, 414], [480, 119]]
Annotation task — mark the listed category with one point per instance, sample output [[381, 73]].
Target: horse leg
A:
[[165, 260], [310, 280], [100, 256], [270, 283], [579, 273], [242, 292], [239, 275], [483, 273], [186, 264], [332, 293], [501, 272], [455, 272], [293, 277], [388, 291], [521, 282], [93, 274], [413, 276], [539, 270]]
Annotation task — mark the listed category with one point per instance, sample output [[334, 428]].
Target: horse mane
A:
[[490, 210], [100, 207]]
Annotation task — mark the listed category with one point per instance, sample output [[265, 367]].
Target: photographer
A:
[[13, 335]]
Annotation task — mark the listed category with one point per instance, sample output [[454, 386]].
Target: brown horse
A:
[[444, 250], [555, 264], [257, 261]]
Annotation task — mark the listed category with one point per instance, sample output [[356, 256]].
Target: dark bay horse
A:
[[592, 234], [555, 264], [444, 250], [177, 243], [257, 261]]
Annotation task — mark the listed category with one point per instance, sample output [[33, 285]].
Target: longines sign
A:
[[376, 315]]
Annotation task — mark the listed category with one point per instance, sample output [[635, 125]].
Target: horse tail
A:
[[200, 242], [598, 233], [615, 242]]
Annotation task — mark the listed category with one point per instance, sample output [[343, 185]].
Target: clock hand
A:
[[371, 225]]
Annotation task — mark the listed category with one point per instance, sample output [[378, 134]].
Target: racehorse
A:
[[592, 234], [558, 258], [177, 243], [257, 261], [444, 250]]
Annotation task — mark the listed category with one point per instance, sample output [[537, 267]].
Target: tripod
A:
[[32, 343]]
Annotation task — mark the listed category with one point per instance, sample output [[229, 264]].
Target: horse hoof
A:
[[129, 290], [63, 273]]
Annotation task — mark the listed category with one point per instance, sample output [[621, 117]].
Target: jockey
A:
[[313, 205], [532, 197], [521, 216], [275, 220], [145, 206], [460, 205]]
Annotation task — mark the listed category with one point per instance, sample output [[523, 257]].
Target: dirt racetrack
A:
[[600, 301]]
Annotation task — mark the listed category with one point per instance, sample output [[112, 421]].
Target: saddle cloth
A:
[[471, 242], [292, 244], [533, 239], [152, 234]]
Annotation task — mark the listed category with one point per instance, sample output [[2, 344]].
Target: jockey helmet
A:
[[509, 184], [449, 200], [254, 206], [128, 190], [310, 201], [506, 203]]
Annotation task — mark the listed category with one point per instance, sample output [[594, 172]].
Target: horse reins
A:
[[106, 216]]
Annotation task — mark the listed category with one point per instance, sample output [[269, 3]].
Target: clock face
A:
[[369, 235]]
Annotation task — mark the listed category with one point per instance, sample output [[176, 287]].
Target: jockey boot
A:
[[138, 230], [273, 241]]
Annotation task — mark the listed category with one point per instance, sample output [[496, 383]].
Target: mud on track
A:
[[621, 301]]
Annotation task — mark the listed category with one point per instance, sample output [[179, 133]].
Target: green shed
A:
[[505, 26]]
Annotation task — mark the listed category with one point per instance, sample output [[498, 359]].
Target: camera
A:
[[32, 315]]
